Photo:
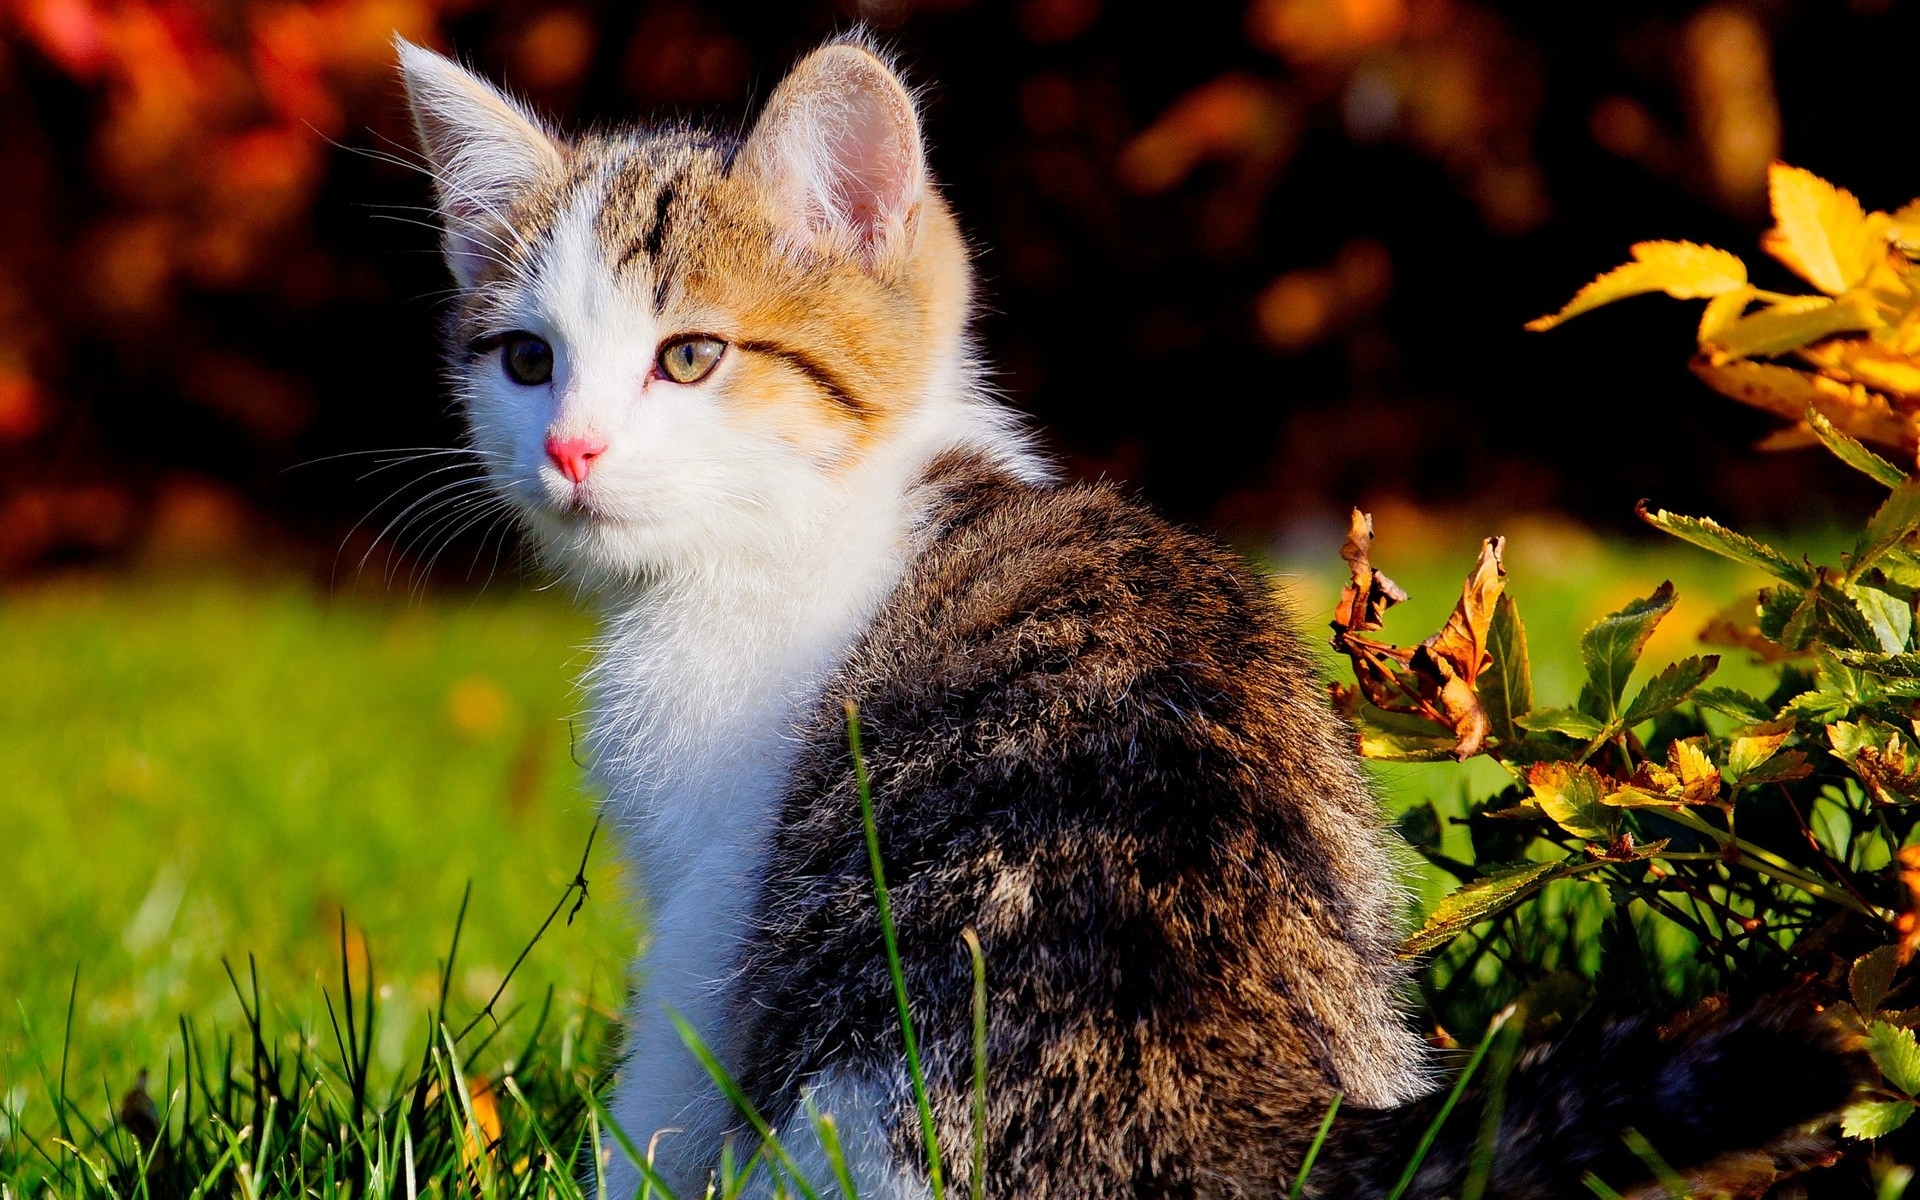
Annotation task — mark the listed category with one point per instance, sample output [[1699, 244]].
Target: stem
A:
[[1767, 863]]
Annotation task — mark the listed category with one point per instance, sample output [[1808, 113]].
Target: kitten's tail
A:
[[1724, 1094]]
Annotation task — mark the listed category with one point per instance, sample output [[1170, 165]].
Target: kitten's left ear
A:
[[484, 148], [838, 147]]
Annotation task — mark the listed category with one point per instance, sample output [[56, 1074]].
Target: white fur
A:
[[484, 150], [857, 1105]]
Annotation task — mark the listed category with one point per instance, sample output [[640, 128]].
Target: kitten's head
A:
[[675, 346]]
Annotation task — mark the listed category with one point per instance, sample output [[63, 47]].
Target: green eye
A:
[[690, 359], [526, 359]]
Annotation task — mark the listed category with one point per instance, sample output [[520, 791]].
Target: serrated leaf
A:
[[1506, 686], [1820, 231], [1750, 750], [1682, 270], [1892, 666], [1611, 647], [1849, 738], [1561, 720], [1461, 910], [1865, 1119], [1897, 1054], [1891, 619], [1853, 453], [1733, 704], [1574, 797], [1787, 764], [1789, 326], [1870, 977], [1670, 688], [1819, 706], [1711, 535], [1699, 778], [1897, 516]]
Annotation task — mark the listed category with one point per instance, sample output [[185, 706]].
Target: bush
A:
[[1715, 839]]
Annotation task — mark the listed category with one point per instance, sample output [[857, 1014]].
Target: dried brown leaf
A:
[[1369, 593]]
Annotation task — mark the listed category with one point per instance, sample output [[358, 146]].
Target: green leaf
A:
[[1498, 890], [1575, 798], [1711, 535], [1506, 686], [1897, 1055], [1890, 666], [1840, 614], [1561, 720], [1853, 453], [1670, 688], [1849, 738], [1779, 606], [1611, 646], [1897, 516], [1874, 1118], [1891, 619], [1733, 703]]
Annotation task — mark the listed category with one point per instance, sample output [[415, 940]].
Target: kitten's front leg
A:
[[662, 1089]]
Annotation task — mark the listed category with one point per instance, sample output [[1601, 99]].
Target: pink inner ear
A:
[[872, 154]]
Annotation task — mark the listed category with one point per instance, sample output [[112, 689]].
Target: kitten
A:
[[728, 384]]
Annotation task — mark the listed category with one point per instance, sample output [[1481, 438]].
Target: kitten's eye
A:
[[526, 359], [690, 359]]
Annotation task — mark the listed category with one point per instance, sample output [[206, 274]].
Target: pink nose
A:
[[574, 456]]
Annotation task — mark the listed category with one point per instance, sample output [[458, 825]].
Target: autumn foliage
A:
[[1774, 827]]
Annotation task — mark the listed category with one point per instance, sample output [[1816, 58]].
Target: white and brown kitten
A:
[[727, 383]]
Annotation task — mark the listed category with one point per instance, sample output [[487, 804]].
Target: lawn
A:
[[202, 772], [199, 772]]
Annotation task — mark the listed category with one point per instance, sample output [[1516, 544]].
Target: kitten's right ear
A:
[[484, 149]]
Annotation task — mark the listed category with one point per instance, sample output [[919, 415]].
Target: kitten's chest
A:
[[694, 732]]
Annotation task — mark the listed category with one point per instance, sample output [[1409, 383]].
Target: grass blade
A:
[[1446, 1109], [979, 1181], [731, 1089], [935, 1180], [1313, 1148]]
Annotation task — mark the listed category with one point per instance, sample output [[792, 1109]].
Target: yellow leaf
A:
[[1792, 324], [1699, 778], [1906, 227], [1722, 311], [1862, 360], [1573, 796], [1854, 410], [1820, 231], [1680, 269]]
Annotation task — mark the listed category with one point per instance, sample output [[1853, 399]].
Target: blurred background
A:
[[1259, 259]]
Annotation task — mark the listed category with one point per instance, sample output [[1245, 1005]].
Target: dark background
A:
[[1260, 260]]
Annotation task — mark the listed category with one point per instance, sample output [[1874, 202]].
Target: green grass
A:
[[196, 772]]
